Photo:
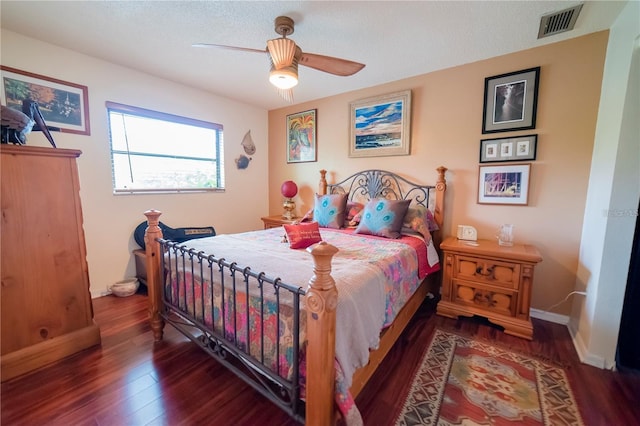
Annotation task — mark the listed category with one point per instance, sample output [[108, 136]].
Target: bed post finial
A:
[[441, 187], [322, 187], [441, 179], [321, 301], [154, 284]]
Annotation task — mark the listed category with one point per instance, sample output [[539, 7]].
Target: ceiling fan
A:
[[285, 56]]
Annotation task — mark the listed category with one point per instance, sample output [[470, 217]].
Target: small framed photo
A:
[[63, 105], [380, 126], [301, 137], [504, 184], [510, 101], [519, 148]]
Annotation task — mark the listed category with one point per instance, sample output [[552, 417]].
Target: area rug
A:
[[462, 381]]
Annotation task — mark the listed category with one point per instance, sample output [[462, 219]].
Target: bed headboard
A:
[[365, 185]]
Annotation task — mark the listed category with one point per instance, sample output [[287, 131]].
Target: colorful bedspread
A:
[[375, 277]]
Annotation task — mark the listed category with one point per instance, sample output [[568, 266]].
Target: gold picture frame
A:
[[381, 125], [301, 137]]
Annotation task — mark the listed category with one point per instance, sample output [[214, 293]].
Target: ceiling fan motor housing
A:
[[284, 25]]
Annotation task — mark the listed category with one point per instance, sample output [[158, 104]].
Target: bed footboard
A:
[[171, 300]]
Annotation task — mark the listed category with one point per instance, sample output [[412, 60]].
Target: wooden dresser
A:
[[489, 280], [46, 308]]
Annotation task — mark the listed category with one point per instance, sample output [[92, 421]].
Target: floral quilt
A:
[[375, 277]]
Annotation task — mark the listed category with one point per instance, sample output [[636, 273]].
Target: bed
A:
[[276, 316]]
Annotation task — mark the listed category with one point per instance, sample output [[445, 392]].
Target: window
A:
[[157, 152]]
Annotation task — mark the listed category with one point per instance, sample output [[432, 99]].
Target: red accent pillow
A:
[[302, 235]]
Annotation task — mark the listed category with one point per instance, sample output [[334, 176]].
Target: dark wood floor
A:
[[131, 381]]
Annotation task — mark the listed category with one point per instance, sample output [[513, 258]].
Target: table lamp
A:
[[289, 189]]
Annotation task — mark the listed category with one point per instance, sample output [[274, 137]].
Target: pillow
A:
[[356, 219], [329, 210], [302, 235], [354, 213], [420, 219], [383, 217]]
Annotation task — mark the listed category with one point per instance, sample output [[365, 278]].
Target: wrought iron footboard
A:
[[221, 307]]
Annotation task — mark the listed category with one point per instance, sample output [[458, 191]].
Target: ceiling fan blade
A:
[[330, 64], [222, 46]]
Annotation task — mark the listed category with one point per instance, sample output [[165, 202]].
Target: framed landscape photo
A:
[[63, 105], [504, 184], [510, 101], [301, 137], [381, 125], [519, 148]]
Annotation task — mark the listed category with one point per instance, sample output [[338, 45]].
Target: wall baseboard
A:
[[549, 316], [585, 356]]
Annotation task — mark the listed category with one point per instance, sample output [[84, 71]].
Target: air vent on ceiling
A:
[[559, 22]]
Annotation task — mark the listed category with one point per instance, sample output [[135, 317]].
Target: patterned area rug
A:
[[462, 381]]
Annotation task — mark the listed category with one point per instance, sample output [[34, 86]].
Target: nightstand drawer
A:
[[485, 297], [493, 272]]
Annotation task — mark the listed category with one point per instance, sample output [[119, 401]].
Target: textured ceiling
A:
[[395, 39]]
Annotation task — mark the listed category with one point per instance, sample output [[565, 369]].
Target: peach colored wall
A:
[[109, 220], [446, 130]]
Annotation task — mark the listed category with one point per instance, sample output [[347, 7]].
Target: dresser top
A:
[[522, 252], [38, 150]]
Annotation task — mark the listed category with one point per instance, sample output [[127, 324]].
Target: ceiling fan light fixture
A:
[[284, 78]]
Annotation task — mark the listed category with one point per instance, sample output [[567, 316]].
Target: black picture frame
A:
[[516, 148], [510, 101]]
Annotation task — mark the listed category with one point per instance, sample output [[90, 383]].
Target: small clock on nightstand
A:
[[467, 232]]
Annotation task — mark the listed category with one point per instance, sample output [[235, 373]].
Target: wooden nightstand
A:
[[489, 280], [276, 221]]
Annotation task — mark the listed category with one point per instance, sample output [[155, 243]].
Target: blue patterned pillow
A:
[[383, 217], [329, 210]]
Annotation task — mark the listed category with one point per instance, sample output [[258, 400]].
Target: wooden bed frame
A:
[[321, 297]]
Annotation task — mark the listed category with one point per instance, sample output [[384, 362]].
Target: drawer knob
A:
[[484, 271]]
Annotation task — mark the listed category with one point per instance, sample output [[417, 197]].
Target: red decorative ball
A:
[[289, 189]]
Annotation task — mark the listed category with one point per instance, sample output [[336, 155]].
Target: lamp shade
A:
[[289, 189]]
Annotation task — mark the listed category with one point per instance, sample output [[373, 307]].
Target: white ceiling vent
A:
[[559, 22]]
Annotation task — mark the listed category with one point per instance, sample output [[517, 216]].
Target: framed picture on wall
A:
[[504, 184], [301, 137], [63, 105], [510, 101], [508, 149], [381, 125]]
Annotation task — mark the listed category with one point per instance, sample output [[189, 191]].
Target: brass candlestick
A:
[[289, 206]]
